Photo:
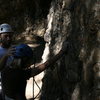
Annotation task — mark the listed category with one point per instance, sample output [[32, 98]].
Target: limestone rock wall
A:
[[74, 76]]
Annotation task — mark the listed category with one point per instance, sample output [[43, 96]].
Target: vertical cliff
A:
[[76, 75]]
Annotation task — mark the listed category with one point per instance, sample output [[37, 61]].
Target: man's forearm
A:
[[3, 62], [47, 64]]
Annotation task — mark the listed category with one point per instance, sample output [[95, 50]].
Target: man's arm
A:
[[3, 60], [49, 62]]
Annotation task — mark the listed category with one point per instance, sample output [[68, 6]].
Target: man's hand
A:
[[3, 60], [10, 52]]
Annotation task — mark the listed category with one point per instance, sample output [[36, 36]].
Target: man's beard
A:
[[6, 44]]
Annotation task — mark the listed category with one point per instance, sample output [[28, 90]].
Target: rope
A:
[[34, 82]]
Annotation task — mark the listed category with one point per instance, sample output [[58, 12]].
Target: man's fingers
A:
[[13, 46], [11, 51]]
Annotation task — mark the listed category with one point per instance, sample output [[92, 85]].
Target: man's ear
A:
[[0, 38]]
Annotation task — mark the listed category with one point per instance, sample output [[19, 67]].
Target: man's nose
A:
[[9, 38]]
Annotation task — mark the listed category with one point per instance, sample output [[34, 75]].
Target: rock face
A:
[[76, 76]]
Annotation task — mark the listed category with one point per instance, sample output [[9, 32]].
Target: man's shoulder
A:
[[2, 51], [1, 48]]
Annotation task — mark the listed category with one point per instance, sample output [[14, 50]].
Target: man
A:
[[6, 34], [15, 63]]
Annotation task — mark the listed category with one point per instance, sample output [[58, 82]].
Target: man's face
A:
[[6, 39]]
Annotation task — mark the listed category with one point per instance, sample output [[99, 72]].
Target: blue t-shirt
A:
[[13, 80], [2, 53]]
